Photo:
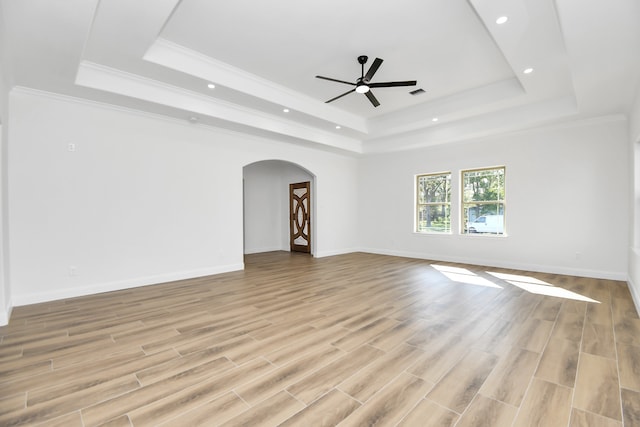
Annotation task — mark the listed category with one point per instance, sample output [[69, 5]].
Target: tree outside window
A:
[[483, 201], [433, 197]]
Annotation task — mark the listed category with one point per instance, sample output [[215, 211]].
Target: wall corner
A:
[[5, 314]]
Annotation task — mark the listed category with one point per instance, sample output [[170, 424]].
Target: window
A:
[[433, 203], [483, 201]]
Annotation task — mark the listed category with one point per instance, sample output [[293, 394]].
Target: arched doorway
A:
[[266, 216]]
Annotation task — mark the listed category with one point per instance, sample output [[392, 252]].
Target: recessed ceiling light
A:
[[285, 110], [338, 127], [528, 70], [502, 20], [435, 119], [211, 86]]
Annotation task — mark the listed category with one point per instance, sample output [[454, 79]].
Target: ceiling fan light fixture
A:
[[362, 88]]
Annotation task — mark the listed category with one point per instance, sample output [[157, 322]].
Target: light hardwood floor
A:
[[350, 340]]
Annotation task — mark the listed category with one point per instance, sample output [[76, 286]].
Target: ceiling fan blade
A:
[[340, 96], [374, 67], [372, 98], [335, 80], [393, 84]]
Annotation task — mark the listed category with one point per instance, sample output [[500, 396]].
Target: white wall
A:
[[567, 200], [142, 199], [634, 119], [262, 207], [634, 244], [266, 204], [5, 295]]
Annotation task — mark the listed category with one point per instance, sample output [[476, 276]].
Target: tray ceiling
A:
[[159, 56]]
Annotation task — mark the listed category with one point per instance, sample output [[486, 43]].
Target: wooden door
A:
[[300, 217]]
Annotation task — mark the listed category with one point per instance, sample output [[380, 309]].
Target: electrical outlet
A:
[[73, 271], [71, 146]]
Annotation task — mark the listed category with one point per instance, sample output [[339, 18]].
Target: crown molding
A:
[[182, 59], [476, 101], [259, 137], [123, 83], [499, 122]]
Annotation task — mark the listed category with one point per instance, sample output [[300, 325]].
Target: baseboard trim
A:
[[27, 299], [35, 298], [322, 254], [633, 279], [5, 314], [511, 265], [267, 249], [634, 294]]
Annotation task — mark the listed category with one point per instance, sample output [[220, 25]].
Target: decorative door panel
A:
[[300, 217]]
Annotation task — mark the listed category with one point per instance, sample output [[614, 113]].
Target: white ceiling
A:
[[158, 56]]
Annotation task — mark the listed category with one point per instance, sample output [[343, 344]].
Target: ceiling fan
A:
[[363, 83]]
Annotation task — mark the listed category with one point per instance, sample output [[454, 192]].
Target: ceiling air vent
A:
[[417, 92]]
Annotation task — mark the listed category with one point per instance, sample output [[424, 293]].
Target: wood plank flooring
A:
[[349, 340]]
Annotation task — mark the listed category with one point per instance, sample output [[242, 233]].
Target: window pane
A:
[[433, 197], [483, 218], [473, 211], [434, 219], [434, 188], [483, 201], [483, 185]]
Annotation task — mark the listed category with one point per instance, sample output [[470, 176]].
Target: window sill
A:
[[472, 236]]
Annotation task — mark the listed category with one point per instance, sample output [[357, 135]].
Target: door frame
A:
[[289, 172]]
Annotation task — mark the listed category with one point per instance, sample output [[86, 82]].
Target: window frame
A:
[[446, 204], [502, 202]]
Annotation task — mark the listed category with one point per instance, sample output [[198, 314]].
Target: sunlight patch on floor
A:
[[462, 275], [537, 286]]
